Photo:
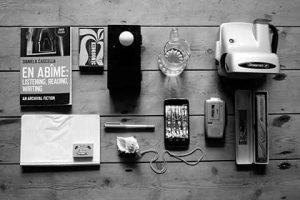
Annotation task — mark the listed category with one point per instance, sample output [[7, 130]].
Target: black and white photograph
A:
[[153, 99]]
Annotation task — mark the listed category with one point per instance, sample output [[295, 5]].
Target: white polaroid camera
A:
[[247, 50]]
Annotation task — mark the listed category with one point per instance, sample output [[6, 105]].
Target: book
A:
[[60, 140], [91, 44], [45, 66]]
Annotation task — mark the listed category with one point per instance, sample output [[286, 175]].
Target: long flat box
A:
[[123, 62], [243, 127], [261, 136], [60, 140], [252, 141]]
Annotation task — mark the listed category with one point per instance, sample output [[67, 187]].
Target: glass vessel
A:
[[174, 57]]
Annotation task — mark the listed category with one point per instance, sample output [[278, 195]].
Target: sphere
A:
[[126, 38]]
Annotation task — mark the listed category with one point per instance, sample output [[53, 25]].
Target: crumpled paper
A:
[[127, 145]]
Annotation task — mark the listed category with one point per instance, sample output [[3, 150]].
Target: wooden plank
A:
[[283, 130], [219, 180], [170, 12], [201, 39], [90, 94]]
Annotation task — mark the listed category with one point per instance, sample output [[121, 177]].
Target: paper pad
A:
[[49, 139]]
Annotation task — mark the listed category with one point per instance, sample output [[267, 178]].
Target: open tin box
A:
[[252, 139]]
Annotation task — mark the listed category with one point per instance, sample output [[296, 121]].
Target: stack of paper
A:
[[52, 139]]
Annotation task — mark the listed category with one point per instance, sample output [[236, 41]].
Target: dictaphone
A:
[[214, 118]]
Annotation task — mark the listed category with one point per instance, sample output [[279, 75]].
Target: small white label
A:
[[82, 150]]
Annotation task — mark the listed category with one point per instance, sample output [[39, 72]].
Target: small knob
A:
[[126, 38]]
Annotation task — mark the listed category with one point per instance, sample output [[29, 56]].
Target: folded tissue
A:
[[127, 145]]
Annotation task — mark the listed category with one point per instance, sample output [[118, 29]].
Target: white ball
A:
[[126, 38]]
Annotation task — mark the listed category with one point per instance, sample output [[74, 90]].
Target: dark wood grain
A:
[[207, 180], [170, 12], [90, 94], [283, 130], [201, 39], [217, 176]]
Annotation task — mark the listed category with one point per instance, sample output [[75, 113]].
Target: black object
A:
[[176, 123], [274, 43], [124, 62]]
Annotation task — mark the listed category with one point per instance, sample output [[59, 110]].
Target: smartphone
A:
[[176, 123]]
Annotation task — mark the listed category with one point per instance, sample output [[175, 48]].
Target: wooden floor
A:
[[217, 176]]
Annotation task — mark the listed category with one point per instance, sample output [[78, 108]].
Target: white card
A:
[[49, 139]]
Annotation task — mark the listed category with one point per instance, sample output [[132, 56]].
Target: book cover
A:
[[45, 66], [91, 44]]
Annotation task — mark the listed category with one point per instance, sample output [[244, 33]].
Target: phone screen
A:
[[176, 122]]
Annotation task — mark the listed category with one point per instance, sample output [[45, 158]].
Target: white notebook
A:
[[60, 140]]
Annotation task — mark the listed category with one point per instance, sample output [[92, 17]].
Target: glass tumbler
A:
[[174, 57]]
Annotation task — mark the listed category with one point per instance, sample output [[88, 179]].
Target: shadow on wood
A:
[[257, 169], [215, 142], [90, 71], [124, 101], [64, 109], [43, 169], [230, 85]]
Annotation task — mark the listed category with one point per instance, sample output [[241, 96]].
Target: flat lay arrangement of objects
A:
[[243, 49], [149, 100]]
